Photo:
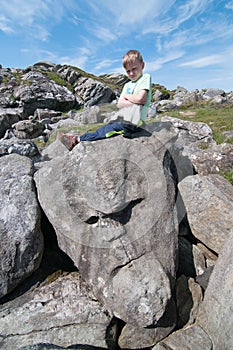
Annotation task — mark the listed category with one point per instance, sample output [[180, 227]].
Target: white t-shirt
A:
[[134, 87]]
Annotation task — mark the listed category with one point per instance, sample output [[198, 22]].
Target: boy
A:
[[133, 104]]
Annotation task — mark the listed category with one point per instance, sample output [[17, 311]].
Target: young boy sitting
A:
[[133, 104]]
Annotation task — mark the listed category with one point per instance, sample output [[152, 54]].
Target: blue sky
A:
[[183, 42]]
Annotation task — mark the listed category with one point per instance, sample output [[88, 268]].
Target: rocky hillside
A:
[[121, 243]]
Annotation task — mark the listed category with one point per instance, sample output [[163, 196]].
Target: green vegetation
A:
[[228, 175], [218, 117], [163, 90], [58, 80]]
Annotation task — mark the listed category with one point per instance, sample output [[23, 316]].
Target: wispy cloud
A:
[[131, 11], [33, 18], [104, 34], [176, 14], [159, 62], [135, 11], [229, 5], [5, 25], [191, 8], [104, 64], [204, 61]]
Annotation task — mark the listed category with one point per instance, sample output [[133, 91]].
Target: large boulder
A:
[[92, 92], [61, 312], [191, 133], [28, 129], [190, 338], [8, 117], [213, 327], [215, 314], [135, 337], [90, 115], [7, 86], [22, 147], [216, 159], [209, 205], [112, 204], [39, 91], [20, 232], [213, 92]]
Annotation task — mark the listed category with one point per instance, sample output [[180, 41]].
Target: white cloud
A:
[[159, 62], [176, 15], [229, 5], [104, 64], [104, 34], [5, 25], [33, 18], [135, 11], [79, 61], [204, 61], [191, 8], [123, 14], [23, 11]]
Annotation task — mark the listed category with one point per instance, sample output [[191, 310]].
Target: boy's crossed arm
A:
[[129, 99]]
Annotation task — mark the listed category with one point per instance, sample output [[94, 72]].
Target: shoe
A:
[[69, 141]]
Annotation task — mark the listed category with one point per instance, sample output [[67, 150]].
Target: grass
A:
[[228, 175], [218, 117], [58, 80]]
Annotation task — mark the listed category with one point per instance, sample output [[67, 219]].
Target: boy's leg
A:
[[103, 132]]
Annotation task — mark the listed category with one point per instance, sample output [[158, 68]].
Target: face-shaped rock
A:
[[111, 203]]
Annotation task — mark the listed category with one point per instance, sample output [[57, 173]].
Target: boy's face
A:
[[134, 69]]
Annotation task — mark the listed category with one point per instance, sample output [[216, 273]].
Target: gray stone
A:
[[209, 205], [212, 92], [191, 338], [22, 147], [62, 312], [92, 92], [203, 279], [69, 74], [166, 105], [116, 208], [190, 133], [20, 233], [134, 337], [46, 113], [27, 129], [188, 298], [214, 160], [215, 314], [183, 97], [41, 92], [9, 116], [90, 115]]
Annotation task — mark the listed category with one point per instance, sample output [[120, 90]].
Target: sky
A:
[[186, 43]]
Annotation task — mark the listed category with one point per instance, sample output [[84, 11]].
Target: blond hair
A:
[[131, 56]]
